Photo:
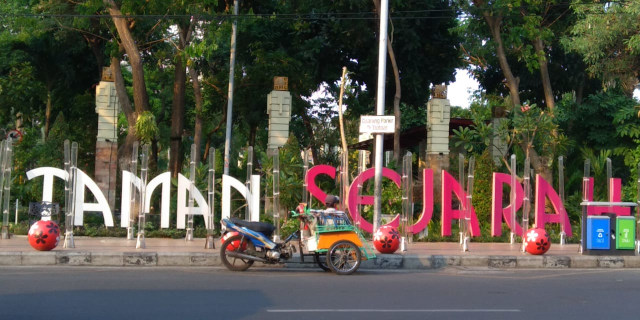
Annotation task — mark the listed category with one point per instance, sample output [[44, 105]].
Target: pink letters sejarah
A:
[[451, 188]]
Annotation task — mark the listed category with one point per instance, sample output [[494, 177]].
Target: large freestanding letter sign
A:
[[615, 195], [183, 210], [125, 204], [47, 185], [355, 198], [83, 180], [497, 211], [427, 204], [252, 196], [544, 191], [165, 180], [450, 188], [449, 185], [311, 180], [101, 206]]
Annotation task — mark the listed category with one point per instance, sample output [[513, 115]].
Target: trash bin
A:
[[598, 233], [625, 232]]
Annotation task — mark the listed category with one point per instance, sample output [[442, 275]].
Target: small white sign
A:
[[377, 124]]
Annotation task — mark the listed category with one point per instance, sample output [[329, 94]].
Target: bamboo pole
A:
[[345, 151]]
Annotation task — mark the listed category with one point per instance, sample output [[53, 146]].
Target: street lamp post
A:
[[379, 143], [232, 62]]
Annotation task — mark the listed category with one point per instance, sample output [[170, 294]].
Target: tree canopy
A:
[[562, 73]]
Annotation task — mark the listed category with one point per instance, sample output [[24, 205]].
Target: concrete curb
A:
[[382, 262]]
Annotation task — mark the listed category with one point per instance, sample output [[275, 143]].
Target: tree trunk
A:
[[197, 93], [549, 99], [214, 130], [178, 103], [513, 82], [252, 136], [539, 163], [177, 117], [124, 151], [396, 105], [140, 97], [580, 90], [94, 44], [47, 113]]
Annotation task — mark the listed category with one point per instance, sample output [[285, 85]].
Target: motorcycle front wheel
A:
[[237, 244], [344, 257]]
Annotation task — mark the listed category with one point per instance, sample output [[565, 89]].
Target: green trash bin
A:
[[625, 233]]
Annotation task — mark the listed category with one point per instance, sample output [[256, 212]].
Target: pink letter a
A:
[[543, 191], [449, 184]]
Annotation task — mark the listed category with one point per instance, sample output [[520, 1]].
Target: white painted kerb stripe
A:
[[394, 310]]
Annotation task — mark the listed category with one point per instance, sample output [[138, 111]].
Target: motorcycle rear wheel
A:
[[242, 245], [344, 257]]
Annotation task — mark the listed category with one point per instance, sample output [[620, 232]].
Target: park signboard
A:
[[452, 192], [377, 124]]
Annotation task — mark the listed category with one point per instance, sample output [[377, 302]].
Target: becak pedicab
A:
[[326, 237]]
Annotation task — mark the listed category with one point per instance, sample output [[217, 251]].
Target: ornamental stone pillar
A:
[[106, 161], [279, 110], [438, 118]]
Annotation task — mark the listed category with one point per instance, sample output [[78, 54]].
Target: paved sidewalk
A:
[[420, 255]]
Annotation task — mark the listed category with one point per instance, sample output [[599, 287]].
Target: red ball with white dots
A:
[[537, 241], [44, 235], [386, 239]]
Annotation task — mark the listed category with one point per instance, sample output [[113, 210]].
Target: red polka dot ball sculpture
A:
[[234, 244], [44, 235], [386, 239], [537, 241]]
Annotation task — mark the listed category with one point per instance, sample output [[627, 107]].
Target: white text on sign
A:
[[377, 124]]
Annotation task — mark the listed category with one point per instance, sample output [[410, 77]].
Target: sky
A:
[[462, 89]]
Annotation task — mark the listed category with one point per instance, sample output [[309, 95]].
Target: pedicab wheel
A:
[[241, 245], [321, 261], [344, 257]]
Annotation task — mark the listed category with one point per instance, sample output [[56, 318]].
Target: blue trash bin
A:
[[598, 233]]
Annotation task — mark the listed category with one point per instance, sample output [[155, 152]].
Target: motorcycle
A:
[[333, 243]]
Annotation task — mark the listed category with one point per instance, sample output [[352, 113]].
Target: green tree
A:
[[521, 35], [43, 69], [605, 123], [606, 36]]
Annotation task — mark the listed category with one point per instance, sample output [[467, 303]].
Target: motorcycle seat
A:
[[262, 227]]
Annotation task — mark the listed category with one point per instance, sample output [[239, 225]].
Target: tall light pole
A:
[[232, 62], [379, 146]]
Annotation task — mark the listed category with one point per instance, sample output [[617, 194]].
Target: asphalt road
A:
[[215, 293]]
